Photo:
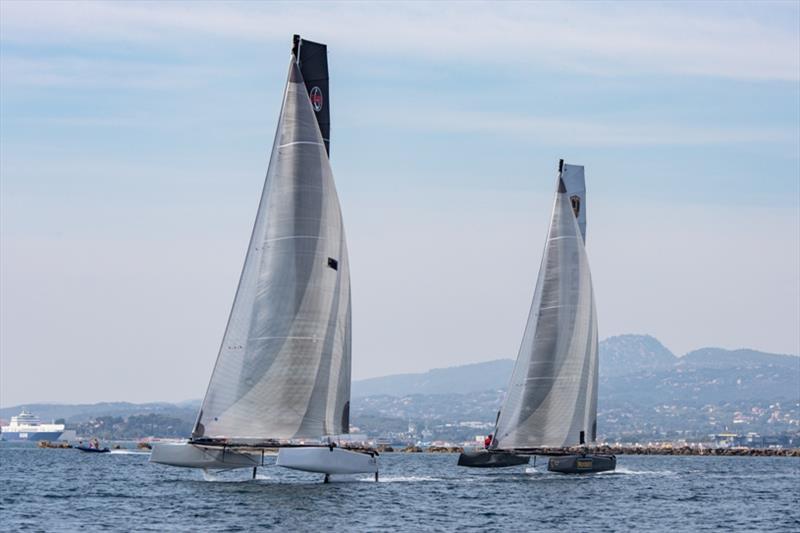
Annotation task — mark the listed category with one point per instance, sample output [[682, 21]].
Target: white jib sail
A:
[[283, 370], [552, 397]]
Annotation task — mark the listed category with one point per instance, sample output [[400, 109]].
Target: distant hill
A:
[[720, 358], [457, 379], [646, 393], [633, 368], [629, 354], [709, 376], [643, 388]]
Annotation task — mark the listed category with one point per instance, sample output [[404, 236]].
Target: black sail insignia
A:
[[312, 58]]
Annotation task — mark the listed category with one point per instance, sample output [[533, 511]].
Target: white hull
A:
[[328, 460], [191, 456]]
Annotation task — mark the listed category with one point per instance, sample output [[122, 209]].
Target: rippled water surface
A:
[[66, 490]]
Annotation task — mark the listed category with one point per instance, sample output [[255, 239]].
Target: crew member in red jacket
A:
[[487, 441]]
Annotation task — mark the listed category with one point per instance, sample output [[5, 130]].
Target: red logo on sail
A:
[[316, 98]]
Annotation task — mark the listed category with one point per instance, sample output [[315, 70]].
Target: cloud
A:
[[565, 131], [77, 72], [604, 39]]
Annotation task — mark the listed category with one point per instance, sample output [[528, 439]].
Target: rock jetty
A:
[[56, 445], [444, 449], [616, 449], [633, 450]]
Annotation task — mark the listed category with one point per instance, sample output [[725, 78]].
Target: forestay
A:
[[552, 397], [283, 370]]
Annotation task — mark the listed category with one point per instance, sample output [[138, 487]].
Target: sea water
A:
[[67, 490]]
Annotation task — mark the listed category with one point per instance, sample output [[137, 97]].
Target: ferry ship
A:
[[26, 426]]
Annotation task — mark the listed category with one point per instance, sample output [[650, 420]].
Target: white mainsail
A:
[[283, 369], [552, 397]]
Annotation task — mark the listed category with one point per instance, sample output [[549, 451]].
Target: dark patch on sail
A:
[[576, 204], [313, 62], [343, 386], [294, 74], [199, 429], [333, 263], [594, 430], [346, 418]]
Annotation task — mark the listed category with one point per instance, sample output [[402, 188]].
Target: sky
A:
[[134, 139]]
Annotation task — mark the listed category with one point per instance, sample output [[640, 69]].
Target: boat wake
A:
[[628, 472], [235, 476], [402, 479], [535, 471], [128, 452], [618, 472]]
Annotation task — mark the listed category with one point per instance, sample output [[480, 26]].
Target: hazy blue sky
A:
[[135, 138]]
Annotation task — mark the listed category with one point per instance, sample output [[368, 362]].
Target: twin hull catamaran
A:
[[551, 403], [282, 376]]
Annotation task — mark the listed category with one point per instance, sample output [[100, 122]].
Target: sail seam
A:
[[300, 142], [550, 378], [558, 307], [281, 337], [295, 237]]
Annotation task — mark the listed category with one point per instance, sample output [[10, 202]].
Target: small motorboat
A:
[[93, 447], [92, 450]]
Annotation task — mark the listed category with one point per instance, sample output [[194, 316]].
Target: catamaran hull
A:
[[483, 459], [582, 464], [190, 456], [328, 460]]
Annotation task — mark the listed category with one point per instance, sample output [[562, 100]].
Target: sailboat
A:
[[551, 402], [282, 376]]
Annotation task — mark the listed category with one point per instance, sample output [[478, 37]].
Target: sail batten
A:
[[283, 370], [552, 398]]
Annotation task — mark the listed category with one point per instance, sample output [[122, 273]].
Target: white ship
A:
[[26, 426]]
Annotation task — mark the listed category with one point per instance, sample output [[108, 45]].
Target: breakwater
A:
[[689, 450], [606, 449], [628, 450]]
